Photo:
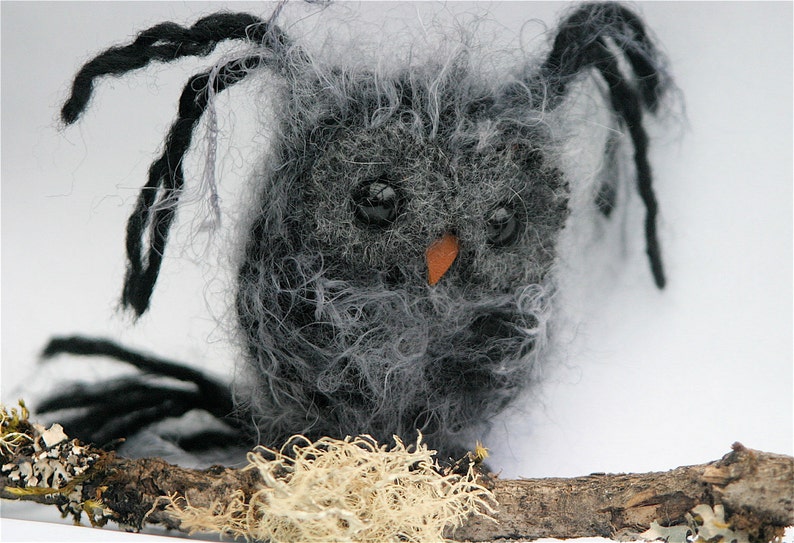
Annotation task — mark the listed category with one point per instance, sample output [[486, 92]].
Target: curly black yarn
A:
[[582, 42], [130, 404], [156, 207]]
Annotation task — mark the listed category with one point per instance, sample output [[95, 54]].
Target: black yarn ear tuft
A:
[[149, 225], [583, 41]]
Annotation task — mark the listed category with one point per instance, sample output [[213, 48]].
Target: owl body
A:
[[344, 333]]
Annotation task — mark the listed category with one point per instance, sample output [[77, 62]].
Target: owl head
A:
[[398, 267]]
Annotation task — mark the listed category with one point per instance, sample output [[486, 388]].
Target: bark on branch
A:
[[754, 488]]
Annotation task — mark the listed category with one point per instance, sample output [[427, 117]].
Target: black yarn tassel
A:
[[581, 43]]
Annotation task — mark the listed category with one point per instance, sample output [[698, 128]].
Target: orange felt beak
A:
[[440, 256]]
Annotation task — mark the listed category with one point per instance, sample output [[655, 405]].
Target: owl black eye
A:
[[502, 226], [376, 203]]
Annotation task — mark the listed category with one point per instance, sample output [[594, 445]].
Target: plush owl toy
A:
[[398, 270]]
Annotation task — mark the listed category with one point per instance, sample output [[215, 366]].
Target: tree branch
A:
[[753, 488]]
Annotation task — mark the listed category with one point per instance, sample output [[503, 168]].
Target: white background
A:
[[650, 380]]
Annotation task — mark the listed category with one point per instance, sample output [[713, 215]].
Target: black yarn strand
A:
[[156, 206], [114, 409], [579, 38], [217, 396], [118, 398], [210, 439], [626, 102], [118, 409], [581, 43], [150, 222], [167, 42]]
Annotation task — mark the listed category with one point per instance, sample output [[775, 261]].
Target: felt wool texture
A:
[[350, 321]]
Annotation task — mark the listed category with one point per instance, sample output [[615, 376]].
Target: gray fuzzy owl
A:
[[398, 270]]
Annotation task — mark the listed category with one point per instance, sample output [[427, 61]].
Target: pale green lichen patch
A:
[[41, 460], [705, 525]]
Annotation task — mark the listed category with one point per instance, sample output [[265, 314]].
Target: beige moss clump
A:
[[13, 428], [344, 490]]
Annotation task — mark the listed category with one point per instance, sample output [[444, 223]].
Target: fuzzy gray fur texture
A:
[[344, 334]]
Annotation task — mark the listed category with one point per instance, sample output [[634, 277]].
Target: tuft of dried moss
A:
[[14, 428], [343, 490]]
